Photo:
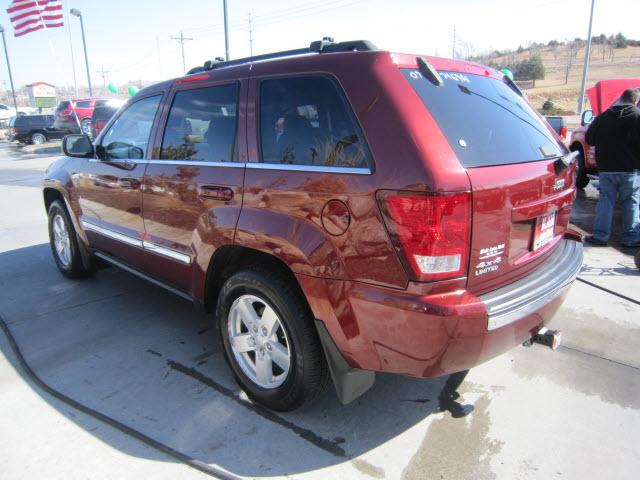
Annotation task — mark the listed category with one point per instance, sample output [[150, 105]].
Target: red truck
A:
[[601, 96]]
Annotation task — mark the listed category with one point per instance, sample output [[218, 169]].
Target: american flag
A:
[[30, 15]]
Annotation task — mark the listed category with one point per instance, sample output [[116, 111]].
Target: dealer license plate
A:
[[545, 226]]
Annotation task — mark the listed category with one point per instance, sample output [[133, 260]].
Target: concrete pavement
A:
[[146, 358]]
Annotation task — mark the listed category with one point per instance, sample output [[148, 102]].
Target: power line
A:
[[181, 39]]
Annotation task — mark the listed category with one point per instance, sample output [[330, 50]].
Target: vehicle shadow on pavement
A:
[[148, 359]]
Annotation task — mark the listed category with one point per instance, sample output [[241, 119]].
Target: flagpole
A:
[[6, 54]]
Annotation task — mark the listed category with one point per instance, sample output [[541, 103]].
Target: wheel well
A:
[[231, 258], [50, 195]]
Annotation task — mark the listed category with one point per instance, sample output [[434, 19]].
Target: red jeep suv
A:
[[342, 210]]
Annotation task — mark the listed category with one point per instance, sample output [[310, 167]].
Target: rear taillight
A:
[[430, 231], [563, 133], [14, 131]]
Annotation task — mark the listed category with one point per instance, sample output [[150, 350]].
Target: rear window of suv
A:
[[484, 120]]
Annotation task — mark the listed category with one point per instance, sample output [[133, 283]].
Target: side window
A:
[[307, 121], [202, 125], [85, 104], [129, 135]]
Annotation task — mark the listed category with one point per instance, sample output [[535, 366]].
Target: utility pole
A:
[[181, 39], [103, 74], [587, 57], [6, 55], [250, 36], [453, 48], [226, 31]]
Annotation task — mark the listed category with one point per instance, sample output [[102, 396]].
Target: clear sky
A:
[[131, 38]]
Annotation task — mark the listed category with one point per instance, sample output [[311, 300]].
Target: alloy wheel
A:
[[259, 341], [61, 240]]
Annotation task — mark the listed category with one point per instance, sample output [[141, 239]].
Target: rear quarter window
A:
[[484, 120]]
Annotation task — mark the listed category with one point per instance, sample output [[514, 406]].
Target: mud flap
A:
[[349, 382]]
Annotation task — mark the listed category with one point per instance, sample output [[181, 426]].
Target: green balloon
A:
[[113, 88], [507, 73], [132, 90]]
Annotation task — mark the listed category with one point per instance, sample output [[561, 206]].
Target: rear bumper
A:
[[387, 330]]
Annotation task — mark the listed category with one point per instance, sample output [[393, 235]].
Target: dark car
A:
[[74, 116], [340, 210], [34, 129], [102, 113]]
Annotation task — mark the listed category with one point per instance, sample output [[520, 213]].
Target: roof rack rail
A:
[[326, 45]]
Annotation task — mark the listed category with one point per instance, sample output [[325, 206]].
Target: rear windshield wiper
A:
[[429, 72]]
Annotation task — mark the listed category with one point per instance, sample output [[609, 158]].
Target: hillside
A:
[[558, 60]]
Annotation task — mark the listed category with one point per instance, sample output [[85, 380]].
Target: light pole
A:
[[77, 13], [6, 54], [587, 57]]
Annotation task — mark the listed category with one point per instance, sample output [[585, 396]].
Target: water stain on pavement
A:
[[598, 378], [456, 448]]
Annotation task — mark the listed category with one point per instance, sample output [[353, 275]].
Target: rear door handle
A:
[[215, 192]]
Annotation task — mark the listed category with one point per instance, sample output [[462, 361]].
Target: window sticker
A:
[[455, 76]]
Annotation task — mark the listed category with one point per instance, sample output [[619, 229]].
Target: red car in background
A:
[[73, 116], [602, 95]]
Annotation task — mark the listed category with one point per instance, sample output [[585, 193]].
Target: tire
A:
[[254, 297], [37, 138], [64, 243], [581, 173], [85, 126]]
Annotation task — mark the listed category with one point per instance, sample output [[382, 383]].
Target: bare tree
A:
[[571, 50]]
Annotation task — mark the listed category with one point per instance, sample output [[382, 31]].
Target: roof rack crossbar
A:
[[326, 45]]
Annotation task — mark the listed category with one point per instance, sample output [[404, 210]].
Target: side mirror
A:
[[587, 117], [77, 146]]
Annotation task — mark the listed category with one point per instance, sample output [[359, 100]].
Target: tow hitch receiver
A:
[[550, 338]]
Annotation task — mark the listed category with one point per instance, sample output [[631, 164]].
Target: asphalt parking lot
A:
[[147, 359]]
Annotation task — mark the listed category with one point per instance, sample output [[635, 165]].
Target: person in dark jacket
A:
[[616, 135]]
